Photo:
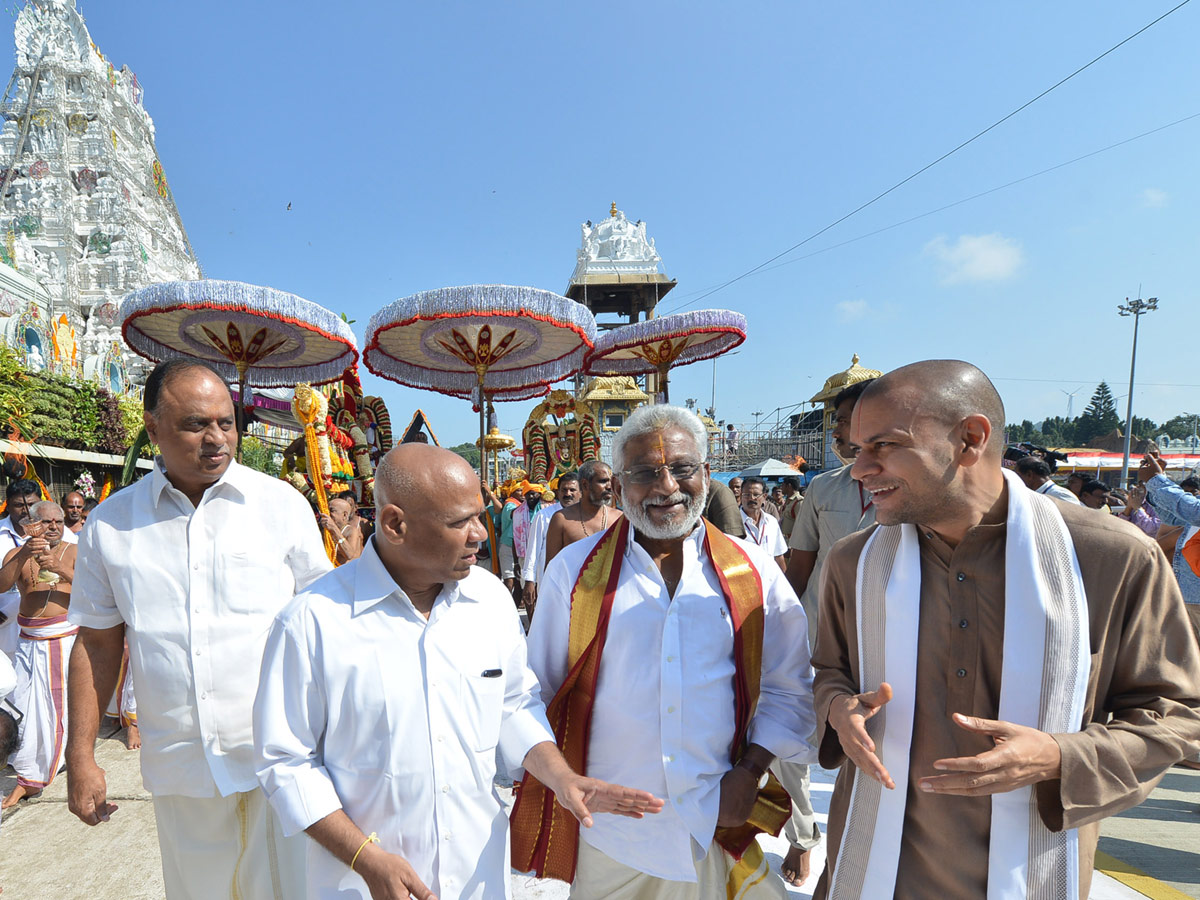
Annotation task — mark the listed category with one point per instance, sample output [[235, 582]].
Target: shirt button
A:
[[197, 651], [670, 659], [961, 673], [671, 758], [445, 788], [670, 709], [962, 624], [440, 738], [962, 577], [203, 695], [208, 737], [195, 567], [449, 835]]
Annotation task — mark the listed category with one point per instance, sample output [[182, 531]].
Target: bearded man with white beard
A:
[[672, 658]]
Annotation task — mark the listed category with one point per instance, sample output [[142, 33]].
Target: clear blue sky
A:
[[431, 144]]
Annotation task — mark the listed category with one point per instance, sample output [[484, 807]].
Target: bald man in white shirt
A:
[[387, 688]]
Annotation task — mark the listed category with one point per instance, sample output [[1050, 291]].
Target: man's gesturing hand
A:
[[1022, 756], [582, 796], [848, 716], [87, 794]]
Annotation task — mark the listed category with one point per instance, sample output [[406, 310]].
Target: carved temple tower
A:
[[86, 212], [617, 270]]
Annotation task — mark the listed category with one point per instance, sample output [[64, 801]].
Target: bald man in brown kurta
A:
[[1142, 702], [1144, 674]]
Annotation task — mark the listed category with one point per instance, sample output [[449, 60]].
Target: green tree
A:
[[257, 455], [1179, 426], [1143, 428], [1058, 432], [469, 452], [1099, 418]]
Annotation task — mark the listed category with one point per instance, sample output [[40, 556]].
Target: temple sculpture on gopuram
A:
[[86, 210]]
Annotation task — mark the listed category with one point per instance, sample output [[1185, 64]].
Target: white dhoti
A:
[[41, 695], [600, 877], [123, 704], [227, 847]]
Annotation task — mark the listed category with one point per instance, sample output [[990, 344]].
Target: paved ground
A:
[[45, 852]]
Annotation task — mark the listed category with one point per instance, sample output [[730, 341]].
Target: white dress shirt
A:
[[663, 720], [367, 707], [197, 588], [539, 528], [766, 534], [1050, 489], [10, 600]]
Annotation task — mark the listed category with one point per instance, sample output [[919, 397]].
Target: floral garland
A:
[[85, 483]]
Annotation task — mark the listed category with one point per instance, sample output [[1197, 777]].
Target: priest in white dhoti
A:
[[44, 567], [387, 689], [997, 671], [673, 658]]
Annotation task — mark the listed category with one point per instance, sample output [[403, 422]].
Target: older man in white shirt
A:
[[387, 688], [695, 651], [762, 529], [191, 564]]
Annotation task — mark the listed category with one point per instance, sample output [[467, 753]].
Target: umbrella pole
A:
[[662, 382], [238, 409]]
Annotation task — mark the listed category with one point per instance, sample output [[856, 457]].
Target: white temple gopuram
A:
[[617, 270], [86, 211]]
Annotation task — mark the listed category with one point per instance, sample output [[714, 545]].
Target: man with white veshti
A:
[[762, 529], [567, 495], [388, 687], [1032, 656], [191, 564], [673, 659], [45, 572]]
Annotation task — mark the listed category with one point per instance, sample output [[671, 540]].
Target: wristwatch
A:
[[758, 771]]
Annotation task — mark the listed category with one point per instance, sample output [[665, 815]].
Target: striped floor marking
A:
[[1137, 879]]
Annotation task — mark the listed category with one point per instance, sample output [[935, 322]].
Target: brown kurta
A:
[[1142, 705]]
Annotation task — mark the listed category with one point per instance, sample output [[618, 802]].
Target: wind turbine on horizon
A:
[[1071, 399]]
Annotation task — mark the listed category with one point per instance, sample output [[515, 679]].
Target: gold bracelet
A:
[[372, 838]]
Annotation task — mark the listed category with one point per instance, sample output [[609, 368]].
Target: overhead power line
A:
[[943, 208], [944, 156]]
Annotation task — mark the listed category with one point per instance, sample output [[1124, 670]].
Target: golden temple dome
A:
[[835, 384]]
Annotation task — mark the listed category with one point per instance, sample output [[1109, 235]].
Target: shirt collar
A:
[[373, 583], [6, 525], [695, 538], [235, 477]]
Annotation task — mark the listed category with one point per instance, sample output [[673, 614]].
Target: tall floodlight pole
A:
[[1137, 309]]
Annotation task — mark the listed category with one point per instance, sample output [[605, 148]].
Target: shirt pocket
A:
[[249, 582], [482, 707]]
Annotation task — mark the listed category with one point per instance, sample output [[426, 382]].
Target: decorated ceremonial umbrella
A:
[[483, 341], [494, 443], [256, 335], [654, 346]]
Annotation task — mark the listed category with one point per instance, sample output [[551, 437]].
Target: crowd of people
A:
[[994, 663]]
